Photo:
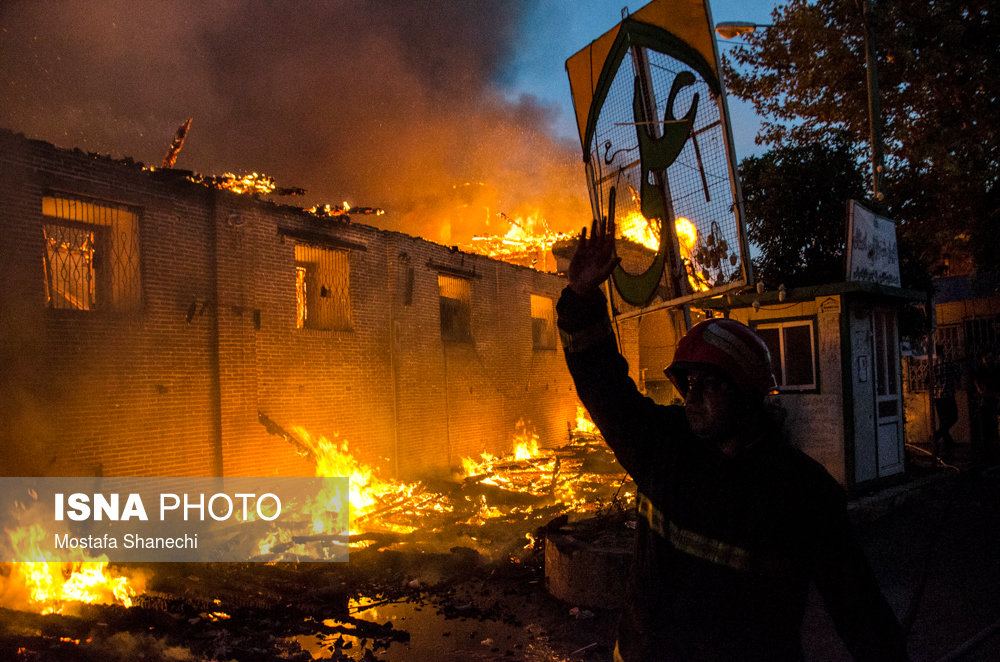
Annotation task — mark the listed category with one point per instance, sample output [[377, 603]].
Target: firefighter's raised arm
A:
[[595, 256]]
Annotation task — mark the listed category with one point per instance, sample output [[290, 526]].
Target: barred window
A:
[[91, 255], [456, 308], [322, 288], [949, 339], [543, 332], [793, 353]]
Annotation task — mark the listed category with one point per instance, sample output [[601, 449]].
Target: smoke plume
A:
[[396, 105]]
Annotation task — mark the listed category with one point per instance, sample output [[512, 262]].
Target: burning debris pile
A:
[[488, 507], [423, 556], [528, 242]]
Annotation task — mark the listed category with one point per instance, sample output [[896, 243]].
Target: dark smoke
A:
[[388, 104]]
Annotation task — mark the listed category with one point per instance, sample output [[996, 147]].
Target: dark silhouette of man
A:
[[733, 524], [946, 377]]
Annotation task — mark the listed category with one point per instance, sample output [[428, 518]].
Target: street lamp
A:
[[732, 29]]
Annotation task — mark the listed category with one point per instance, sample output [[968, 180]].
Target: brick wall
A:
[[176, 388]]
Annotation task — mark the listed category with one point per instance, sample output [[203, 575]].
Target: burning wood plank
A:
[[178, 142]]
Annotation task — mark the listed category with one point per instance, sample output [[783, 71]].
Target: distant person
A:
[[733, 524], [946, 377]]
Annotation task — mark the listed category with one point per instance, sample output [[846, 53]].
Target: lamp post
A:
[[732, 29]]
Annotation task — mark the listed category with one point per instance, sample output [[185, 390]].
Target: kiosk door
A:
[[878, 405], [888, 398]]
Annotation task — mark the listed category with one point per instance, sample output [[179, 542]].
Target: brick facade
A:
[[177, 387]]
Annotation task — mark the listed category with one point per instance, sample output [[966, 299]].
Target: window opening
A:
[[792, 346], [91, 256], [322, 288], [456, 308], [543, 334]]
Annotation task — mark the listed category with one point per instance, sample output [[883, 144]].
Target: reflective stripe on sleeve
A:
[[694, 544]]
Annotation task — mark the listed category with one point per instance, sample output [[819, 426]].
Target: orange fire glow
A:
[[525, 448], [687, 241], [528, 242], [381, 507], [248, 183], [370, 495], [583, 424], [637, 228], [49, 587]]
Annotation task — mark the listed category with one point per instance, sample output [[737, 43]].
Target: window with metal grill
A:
[[91, 255], [792, 346], [543, 328], [322, 288], [456, 308]]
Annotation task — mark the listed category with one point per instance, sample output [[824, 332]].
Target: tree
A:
[[939, 78], [795, 203]]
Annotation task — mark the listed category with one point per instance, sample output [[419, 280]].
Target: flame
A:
[[525, 447], [687, 236], [528, 242], [583, 424], [641, 230], [368, 492], [248, 183], [553, 476], [687, 241], [526, 469], [50, 587]]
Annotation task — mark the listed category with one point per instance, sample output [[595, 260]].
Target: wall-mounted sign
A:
[[872, 255]]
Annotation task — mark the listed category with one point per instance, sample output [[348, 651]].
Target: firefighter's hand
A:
[[595, 256]]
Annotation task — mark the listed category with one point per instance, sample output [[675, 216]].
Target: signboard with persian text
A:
[[872, 256]]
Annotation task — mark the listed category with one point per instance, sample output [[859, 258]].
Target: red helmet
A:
[[730, 346]]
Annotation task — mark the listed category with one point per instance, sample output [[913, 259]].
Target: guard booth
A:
[[835, 354]]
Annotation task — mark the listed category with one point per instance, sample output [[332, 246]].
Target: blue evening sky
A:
[[558, 28]]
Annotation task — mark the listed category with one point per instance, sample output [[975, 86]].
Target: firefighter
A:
[[734, 523]]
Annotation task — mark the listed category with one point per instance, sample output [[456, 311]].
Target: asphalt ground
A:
[[934, 544]]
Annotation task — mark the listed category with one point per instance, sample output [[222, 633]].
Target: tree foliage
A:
[[939, 81], [795, 203]]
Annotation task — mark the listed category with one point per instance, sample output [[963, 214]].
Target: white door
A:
[[877, 396], [888, 394]]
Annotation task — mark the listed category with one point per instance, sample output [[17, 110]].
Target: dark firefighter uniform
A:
[[726, 546]]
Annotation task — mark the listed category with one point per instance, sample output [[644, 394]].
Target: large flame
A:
[[646, 232], [641, 230], [50, 587], [525, 447], [526, 468], [527, 242], [368, 492]]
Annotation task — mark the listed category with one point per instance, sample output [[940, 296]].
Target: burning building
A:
[[152, 325]]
